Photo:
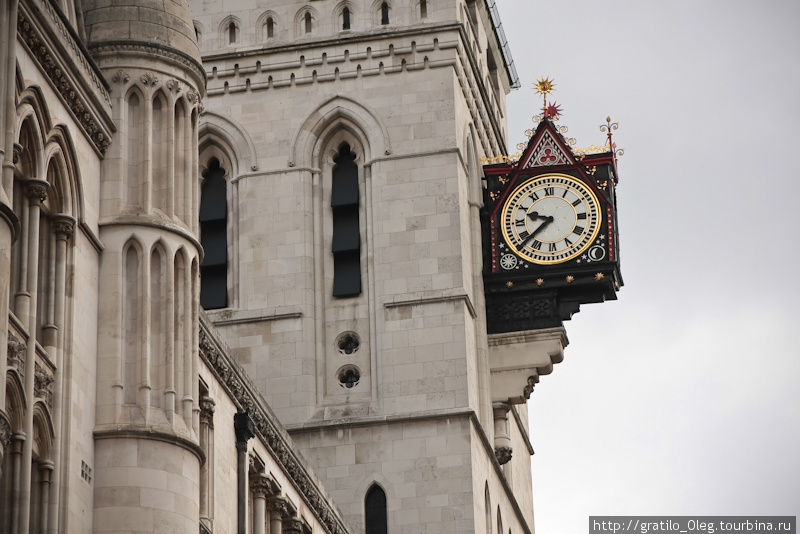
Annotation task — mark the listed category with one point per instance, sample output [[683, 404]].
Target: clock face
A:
[[550, 219]]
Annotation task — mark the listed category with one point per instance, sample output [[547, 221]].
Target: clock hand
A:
[[547, 220]]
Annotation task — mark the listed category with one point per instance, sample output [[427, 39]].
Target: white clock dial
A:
[[550, 219]]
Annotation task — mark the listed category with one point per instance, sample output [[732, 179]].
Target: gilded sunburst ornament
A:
[[544, 86]]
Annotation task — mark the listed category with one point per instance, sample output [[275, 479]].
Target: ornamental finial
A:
[[545, 86], [608, 128]]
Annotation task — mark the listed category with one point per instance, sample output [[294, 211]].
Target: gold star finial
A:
[[544, 86]]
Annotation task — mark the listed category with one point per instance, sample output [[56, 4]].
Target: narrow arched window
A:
[[499, 522], [232, 32], [488, 504], [307, 19], [214, 239], [346, 19], [384, 13], [346, 242], [270, 28], [375, 516], [423, 9]]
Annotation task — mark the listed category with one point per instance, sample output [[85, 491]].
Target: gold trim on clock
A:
[[550, 219]]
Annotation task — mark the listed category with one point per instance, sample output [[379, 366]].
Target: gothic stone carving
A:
[[235, 382], [15, 359], [62, 83], [526, 392], [503, 454], [43, 385]]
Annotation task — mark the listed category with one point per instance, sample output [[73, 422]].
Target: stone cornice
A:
[[88, 102], [175, 57], [246, 397]]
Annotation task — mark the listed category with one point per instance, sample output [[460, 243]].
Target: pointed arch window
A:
[[307, 22], [270, 28], [346, 243], [375, 515], [488, 505], [346, 18], [214, 239], [384, 13], [232, 32]]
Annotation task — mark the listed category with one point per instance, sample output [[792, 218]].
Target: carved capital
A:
[[15, 358], [278, 506], [503, 454], [43, 384], [292, 526], [121, 77], [17, 152], [36, 189], [148, 78], [262, 485], [207, 410], [174, 85], [5, 432], [63, 226]]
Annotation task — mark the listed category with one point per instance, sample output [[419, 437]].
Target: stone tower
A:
[[147, 450], [340, 150]]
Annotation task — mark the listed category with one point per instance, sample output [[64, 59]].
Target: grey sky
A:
[[681, 397]]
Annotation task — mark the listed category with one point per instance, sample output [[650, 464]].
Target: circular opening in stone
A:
[[349, 375], [348, 343]]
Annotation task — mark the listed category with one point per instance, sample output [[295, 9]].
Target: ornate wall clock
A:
[[549, 233]]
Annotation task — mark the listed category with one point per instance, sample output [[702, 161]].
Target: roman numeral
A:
[[537, 245], [520, 223], [565, 195], [568, 242], [549, 191], [578, 230], [577, 202], [581, 216], [552, 247], [523, 235]]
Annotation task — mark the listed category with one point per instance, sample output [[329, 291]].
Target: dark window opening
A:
[[345, 19], [214, 239], [232, 32], [384, 13], [423, 9], [346, 242], [307, 19], [375, 516], [270, 28]]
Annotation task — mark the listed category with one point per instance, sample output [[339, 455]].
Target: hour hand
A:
[[547, 220]]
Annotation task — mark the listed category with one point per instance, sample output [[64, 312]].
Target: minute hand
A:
[[547, 220]]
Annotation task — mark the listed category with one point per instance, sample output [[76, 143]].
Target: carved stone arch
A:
[[224, 26], [377, 479], [337, 112], [71, 188], [16, 399], [337, 14], [225, 139], [375, 9], [261, 25], [200, 32], [56, 173], [43, 431], [299, 21], [33, 120]]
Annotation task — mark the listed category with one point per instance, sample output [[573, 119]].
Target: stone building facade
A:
[[316, 165]]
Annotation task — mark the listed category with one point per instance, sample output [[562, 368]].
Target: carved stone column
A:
[[207, 444], [261, 486], [37, 193], [502, 437], [278, 509], [45, 471], [16, 483], [245, 430]]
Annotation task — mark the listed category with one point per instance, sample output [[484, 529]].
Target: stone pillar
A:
[[16, 467], [63, 226], [45, 470], [261, 486], [245, 430], [278, 509], [207, 444], [37, 193]]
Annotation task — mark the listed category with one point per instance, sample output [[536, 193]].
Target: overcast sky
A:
[[682, 396]]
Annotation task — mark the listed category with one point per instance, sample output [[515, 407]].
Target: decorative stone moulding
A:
[[267, 429], [72, 95], [15, 358]]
